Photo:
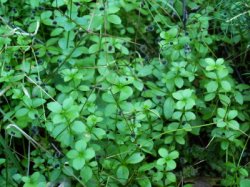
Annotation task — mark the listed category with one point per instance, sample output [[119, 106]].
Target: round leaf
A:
[[163, 152]]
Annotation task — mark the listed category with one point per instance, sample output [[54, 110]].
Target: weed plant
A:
[[124, 93]]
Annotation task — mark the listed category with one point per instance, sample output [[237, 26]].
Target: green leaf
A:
[[226, 85], [79, 51], [78, 127], [173, 126], [100, 133], [161, 161], [224, 145], [144, 182], [212, 86], [168, 139], [27, 101], [113, 9], [181, 94], [168, 107], [62, 43], [94, 48], [225, 100], [173, 31], [187, 93], [22, 112], [239, 98], [122, 172], [86, 173], [210, 61], [177, 115], [221, 124], [180, 140], [221, 112], [223, 73], [72, 154], [78, 163], [96, 22], [171, 165], [243, 172], [146, 167], [54, 107], [68, 102], [211, 75], [190, 102], [125, 93], [171, 177], [244, 182], [135, 158], [36, 102], [234, 124], [179, 82], [56, 32], [114, 19], [46, 15], [68, 25], [219, 61], [2, 160], [89, 153], [189, 116], [80, 145], [178, 95], [180, 105], [173, 155], [84, 88], [163, 152], [232, 114], [108, 97], [210, 96], [144, 70], [138, 84]]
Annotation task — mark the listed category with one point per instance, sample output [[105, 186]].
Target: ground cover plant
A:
[[124, 93]]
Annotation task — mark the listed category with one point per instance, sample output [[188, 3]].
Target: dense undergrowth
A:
[[124, 93]]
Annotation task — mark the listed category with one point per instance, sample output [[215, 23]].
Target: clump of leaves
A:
[[115, 92]]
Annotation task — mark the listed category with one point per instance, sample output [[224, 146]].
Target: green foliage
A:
[[80, 154], [123, 93]]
